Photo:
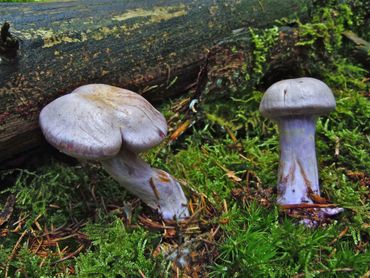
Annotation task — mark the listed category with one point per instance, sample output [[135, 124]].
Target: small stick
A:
[[42, 262], [103, 204], [73, 254], [20, 219], [231, 134], [153, 224], [225, 206], [142, 274], [38, 246], [191, 206], [65, 237], [181, 129], [342, 234], [216, 231], [295, 206], [325, 270], [14, 251]]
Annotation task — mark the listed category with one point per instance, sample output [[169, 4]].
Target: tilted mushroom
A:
[[295, 105], [112, 125]]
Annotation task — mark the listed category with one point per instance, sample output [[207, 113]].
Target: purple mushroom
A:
[[295, 104], [112, 125]]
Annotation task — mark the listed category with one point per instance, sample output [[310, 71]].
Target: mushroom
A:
[[295, 105], [113, 125]]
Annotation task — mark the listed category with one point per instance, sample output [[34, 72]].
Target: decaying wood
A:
[[360, 48], [153, 47]]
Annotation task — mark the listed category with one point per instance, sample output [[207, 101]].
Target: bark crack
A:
[[8, 43]]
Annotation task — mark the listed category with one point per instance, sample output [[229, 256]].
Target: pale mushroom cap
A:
[[95, 120], [300, 96]]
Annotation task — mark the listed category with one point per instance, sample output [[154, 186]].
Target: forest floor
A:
[[65, 219]]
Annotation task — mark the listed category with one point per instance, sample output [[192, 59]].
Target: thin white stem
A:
[[155, 187]]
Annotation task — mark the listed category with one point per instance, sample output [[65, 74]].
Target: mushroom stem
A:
[[158, 189], [298, 174]]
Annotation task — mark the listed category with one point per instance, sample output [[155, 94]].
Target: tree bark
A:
[[360, 49], [152, 47]]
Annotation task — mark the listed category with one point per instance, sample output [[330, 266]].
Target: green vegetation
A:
[[75, 220], [117, 251]]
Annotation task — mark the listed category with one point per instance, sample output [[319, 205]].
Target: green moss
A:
[[262, 43], [118, 252]]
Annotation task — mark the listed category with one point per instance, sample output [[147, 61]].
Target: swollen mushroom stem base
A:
[[298, 178], [158, 189], [298, 174]]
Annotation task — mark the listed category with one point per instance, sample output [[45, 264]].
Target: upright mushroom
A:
[[295, 104], [112, 125]]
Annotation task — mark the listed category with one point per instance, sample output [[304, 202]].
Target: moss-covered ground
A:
[[75, 220]]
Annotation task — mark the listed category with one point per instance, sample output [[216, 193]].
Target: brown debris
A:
[[252, 190], [45, 242], [183, 113], [70, 255], [7, 212], [233, 176], [303, 214], [151, 224], [307, 206], [342, 234], [361, 177], [261, 195], [190, 243], [317, 198], [180, 130], [309, 214], [14, 251]]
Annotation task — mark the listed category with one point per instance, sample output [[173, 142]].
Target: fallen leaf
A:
[[233, 176]]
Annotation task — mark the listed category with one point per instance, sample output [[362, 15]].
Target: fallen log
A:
[[359, 48], [154, 48]]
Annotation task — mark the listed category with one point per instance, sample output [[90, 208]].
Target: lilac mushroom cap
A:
[[112, 125], [94, 121], [300, 96]]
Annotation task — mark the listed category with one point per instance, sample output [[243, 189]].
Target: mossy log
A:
[[360, 48], [153, 47]]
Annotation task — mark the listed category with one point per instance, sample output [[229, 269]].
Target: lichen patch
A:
[[156, 14]]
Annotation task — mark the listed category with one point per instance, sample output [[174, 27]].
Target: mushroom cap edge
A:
[[298, 96], [96, 120]]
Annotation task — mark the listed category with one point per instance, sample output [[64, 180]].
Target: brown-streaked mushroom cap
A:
[[299, 96], [95, 120]]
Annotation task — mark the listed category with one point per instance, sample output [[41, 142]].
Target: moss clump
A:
[[119, 252]]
